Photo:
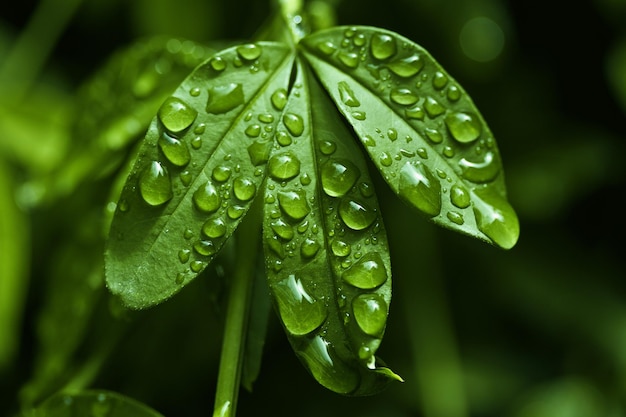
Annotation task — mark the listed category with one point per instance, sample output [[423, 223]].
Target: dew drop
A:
[[244, 189], [347, 95], [174, 150], [327, 47], [309, 248], [367, 273], [392, 134], [197, 266], [338, 176], [433, 135], [183, 255], [294, 204], [385, 159], [214, 228], [305, 179], [349, 59], [283, 138], [279, 99], [422, 153], [259, 152], [329, 370], [464, 127], [155, 185], [176, 115], [218, 63], [188, 234], [448, 152], [224, 98], [370, 313], [484, 170], [199, 129], [440, 80], [368, 141], [415, 113], [194, 92], [266, 118], [253, 131], [180, 278], [496, 218], [459, 196], [327, 147], [207, 198], [299, 311], [221, 173], [293, 123], [123, 205], [403, 96], [282, 229], [284, 166], [235, 211], [196, 142], [406, 67], [204, 247], [249, 52], [419, 187], [356, 215], [383, 46], [433, 107], [359, 115], [340, 248], [367, 189], [453, 93], [455, 217]]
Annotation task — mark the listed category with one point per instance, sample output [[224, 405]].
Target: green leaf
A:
[[198, 170], [325, 245], [92, 403], [420, 128]]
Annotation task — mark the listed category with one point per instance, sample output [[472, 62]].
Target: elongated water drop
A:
[[459, 196], [224, 98], [300, 312], [155, 185], [349, 59], [249, 52], [433, 107], [176, 151], [403, 96], [293, 123], [294, 204], [259, 151], [484, 170], [406, 67], [339, 176], [367, 273], [207, 198], [496, 218], [282, 229], [370, 313], [382, 46], [279, 99], [347, 95], [356, 215], [464, 127], [284, 166], [176, 115], [419, 187]]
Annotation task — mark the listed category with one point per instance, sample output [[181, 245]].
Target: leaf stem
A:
[[237, 315]]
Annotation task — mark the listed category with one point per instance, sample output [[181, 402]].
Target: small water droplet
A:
[[448, 152], [356, 215], [199, 129], [279, 99], [340, 248], [433, 135], [305, 179], [440, 80], [327, 47], [347, 95], [221, 173], [339, 176], [259, 152], [188, 234], [207, 198], [464, 127], [453, 93], [367, 273], [485, 169], [455, 217], [282, 229], [459, 196], [283, 138], [293, 123], [235, 211], [368, 141], [204, 247], [244, 189], [284, 166], [327, 147], [294, 204], [197, 266], [194, 92], [349, 59], [180, 278], [123, 205], [249, 52], [253, 131], [392, 134], [403, 96], [370, 313], [214, 228], [155, 185], [419, 187], [183, 256], [224, 98], [422, 153], [367, 189], [382, 46], [176, 115], [385, 159], [300, 312], [406, 67], [196, 142], [359, 40], [359, 115], [309, 248], [415, 113], [433, 107], [266, 117], [218, 63], [175, 151], [496, 218]]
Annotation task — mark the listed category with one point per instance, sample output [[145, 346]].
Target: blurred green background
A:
[[537, 331]]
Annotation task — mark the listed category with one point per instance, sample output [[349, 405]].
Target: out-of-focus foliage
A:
[[474, 331]]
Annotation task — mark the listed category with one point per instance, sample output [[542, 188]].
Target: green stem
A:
[[237, 315]]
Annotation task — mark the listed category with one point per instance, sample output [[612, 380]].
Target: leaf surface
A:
[[420, 128], [198, 170]]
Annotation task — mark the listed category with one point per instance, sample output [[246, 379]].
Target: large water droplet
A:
[[207, 198], [224, 98], [204, 247], [299, 311], [349, 59], [214, 228], [433, 107], [464, 127], [294, 204], [419, 187], [293, 123], [309, 248], [356, 215], [347, 95], [339, 176], [370, 313], [367, 273], [176, 115], [459, 196], [259, 152], [175, 151], [434, 135], [284, 166], [496, 218], [440, 80], [481, 171], [244, 189], [221, 173], [340, 248], [406, 67], [282, 229], [249, 52], [155, 185], [403, 96], [279, 99], [383, 46]]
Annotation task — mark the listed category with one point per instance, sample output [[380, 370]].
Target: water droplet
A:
[[253, 131], [385, 159], [282, 229], [174, 150], [422, 153], [294, 204], [235, 211], [309, 248], [433, 135], [284, 166], [204, 247], [367, 189], [484, 170], [183, 256], [359, 115], [293, 123], [496, 218], [279, 99], [406, 67], [259, 152], [403, 96], [392, 134], [453, 93], [349, 59], [338, 176], [383, 46], [218, 63], [266, 118], [299, 311], [368, 141], [327, 147], [197, 266], [440, 80], [244, 189], [305, 179], [249, 52], [328, 369], [356, 215], [283, 138], [327, 47], [459, 196], [207, 198], [199, 129], [221, 173], [180, 278], [419, 187], [367, 273], [433, 107], [359, 40], [455, 217], [224, 98], [370, 313], [155, 185], [123, 205], [176, 115], [347, 95], [448, 152], [196, 142], [464, 127], [214, 228], [188, 234], [194, 92], [340, 248]]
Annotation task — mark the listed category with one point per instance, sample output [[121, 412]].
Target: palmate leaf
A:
[[325, 245], [193, 182], [420, 128]]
